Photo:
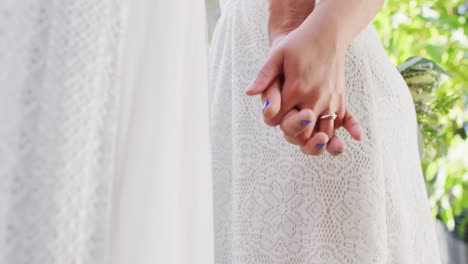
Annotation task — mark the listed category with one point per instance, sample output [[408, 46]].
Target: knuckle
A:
[[288, 139], [291, 140], [310, 115], [285, 129], [294, 94], [284, 124], [268, 121], [341, 113], [276, 120], [337, 93], [302, 139], [288, 133], [304, 150], [328, 95], [350, 119], [323, 99], [303, 89], [298, 87]]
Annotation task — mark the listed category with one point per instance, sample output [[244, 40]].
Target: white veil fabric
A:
[[104, 135], [163, 202]]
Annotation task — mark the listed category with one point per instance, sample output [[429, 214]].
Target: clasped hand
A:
[[303, 79]]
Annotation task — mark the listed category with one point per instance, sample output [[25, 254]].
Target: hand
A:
[[312, 64]]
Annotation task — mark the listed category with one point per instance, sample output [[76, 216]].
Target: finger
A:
[[294, 140], [270, 70], [294, 122], [288, 118], [315, 145], [341, 86], [271, 98], [340, 114], [289, 100], [326, 125], [352, 125], [304, 136], [335, 146]]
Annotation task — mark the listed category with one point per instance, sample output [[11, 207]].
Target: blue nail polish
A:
[[265, 105], [305, 122], [320, 146]]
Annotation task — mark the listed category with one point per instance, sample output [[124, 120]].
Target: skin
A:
[[304, 75]]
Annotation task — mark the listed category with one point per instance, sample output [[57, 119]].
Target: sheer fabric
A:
[[163, 199], [103, 150]]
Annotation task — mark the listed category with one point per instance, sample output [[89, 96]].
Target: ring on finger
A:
[[329, 116]]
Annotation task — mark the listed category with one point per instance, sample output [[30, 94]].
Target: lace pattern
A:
[[275, 205], [58, 101]]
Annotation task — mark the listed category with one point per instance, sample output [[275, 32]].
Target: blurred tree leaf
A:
[[412, 31]]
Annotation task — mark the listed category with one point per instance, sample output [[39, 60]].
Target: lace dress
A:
[[275, 205]]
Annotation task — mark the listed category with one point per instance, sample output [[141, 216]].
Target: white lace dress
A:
[[275, 205]]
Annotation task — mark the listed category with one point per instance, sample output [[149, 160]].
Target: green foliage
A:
[[436, 30]]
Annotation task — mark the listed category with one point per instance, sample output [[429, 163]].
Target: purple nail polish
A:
[[265, 105], [305, 122], [320, 146]]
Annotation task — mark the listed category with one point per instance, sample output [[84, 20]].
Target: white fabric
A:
[[103, 150], [275, 205], [163, 198]]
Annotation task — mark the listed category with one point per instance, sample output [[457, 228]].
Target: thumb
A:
[[271, 98], [270, 70]]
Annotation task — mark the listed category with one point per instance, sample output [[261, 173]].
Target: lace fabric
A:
[[275, 205], [58, 100], [93, 169]]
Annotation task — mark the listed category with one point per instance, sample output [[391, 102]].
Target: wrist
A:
[[278, 28], [337, 22], [287, 15], [327, 28]]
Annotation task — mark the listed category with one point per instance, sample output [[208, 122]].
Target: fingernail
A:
[[337, 152], [305, 122], [320, 146], [265, 105]]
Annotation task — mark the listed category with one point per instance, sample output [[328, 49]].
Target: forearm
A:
[[344, 19], [287, 15]]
